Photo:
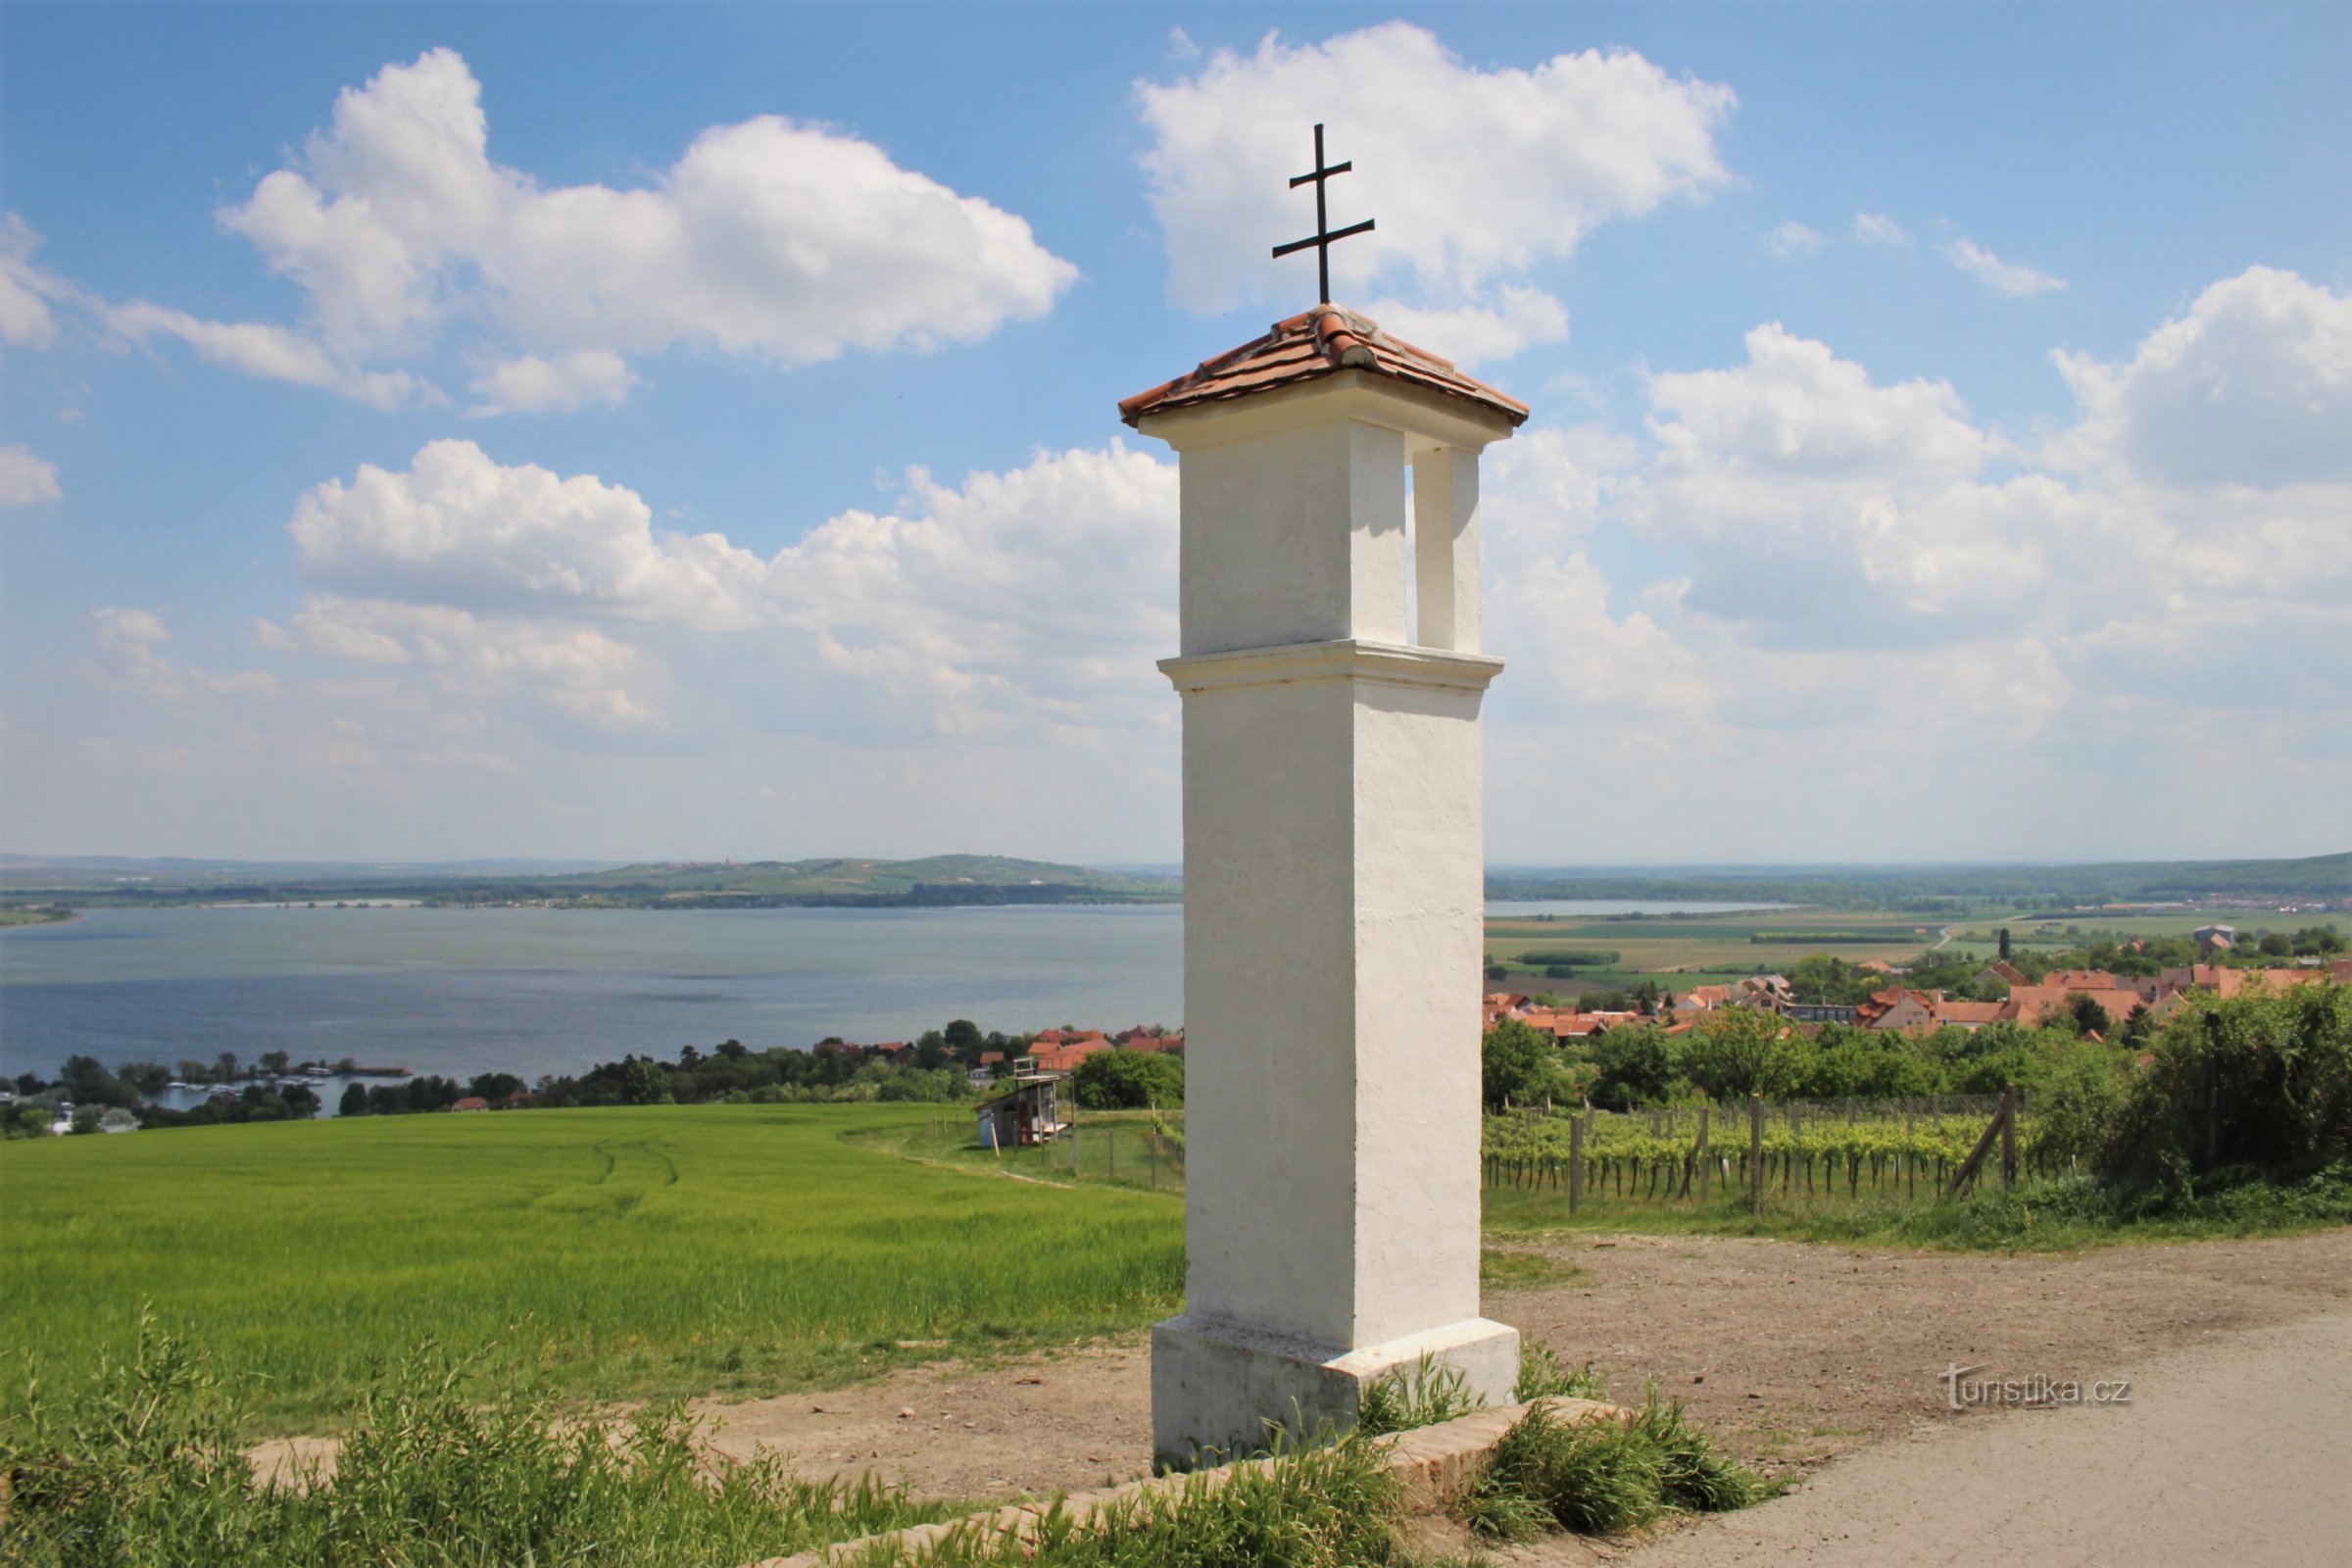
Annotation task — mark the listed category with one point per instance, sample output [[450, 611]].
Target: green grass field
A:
[[1716, 947], [601, 1252], [1699, 950]]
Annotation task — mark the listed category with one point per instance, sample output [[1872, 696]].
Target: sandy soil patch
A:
[[1792, 1354]]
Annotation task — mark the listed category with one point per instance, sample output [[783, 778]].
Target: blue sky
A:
[[586, 430]]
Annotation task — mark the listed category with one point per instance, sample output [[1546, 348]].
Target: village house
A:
[[1898, 1009], [1071, 1050]]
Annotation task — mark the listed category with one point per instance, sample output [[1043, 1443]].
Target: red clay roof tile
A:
[[1320, 342]]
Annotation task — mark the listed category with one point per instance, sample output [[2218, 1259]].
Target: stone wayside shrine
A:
[[1333, 877]]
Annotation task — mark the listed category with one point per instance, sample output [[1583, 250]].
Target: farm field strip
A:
[[601, 1253]]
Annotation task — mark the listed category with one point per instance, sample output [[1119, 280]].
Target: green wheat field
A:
[[604, 1254]]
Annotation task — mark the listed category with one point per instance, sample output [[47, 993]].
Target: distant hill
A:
[[939, 879], [948, 880]]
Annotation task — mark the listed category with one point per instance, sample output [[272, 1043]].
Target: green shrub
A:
[[2263, 1079], [1128, 1080], [1520, 1065], [1737, 1051]]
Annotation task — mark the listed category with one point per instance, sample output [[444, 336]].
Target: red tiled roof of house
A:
[[2033, 1005], [1323, 342], [1063, 1058], [471, 1103]]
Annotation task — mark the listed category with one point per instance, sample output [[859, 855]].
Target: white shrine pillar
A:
[[1334, 871]]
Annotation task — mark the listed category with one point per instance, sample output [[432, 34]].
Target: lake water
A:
[[550, 991], [553, 991]]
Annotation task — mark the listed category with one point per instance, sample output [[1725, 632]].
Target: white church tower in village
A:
[[1334, 871]]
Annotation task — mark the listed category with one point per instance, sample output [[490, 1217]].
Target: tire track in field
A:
[[632, 1171]]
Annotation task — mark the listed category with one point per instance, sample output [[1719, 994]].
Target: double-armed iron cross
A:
[[1323, 236]]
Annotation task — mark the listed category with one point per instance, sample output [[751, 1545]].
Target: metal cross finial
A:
[[1323, 236]]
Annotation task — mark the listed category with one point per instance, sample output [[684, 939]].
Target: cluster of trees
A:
[[428, 1092], [1827, 979], [733, 1072], [85, 1084], [1128, 1080], [935, 1068], [294, 1101]]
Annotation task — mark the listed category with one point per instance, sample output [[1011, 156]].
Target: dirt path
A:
[[2232, 1450], [1793, 1353]]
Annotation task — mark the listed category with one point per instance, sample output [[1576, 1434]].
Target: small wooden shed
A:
[[1026, 1113]]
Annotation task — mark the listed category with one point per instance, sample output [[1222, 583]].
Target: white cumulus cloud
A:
[[26, 319], [1793, 238], [1024, 595], [459, 529], [2251, 386], [2002, 278], [1475, 177], [1877, 228], [532, 383], [776, 239], [273, 353], [782, 241], [26, 478]]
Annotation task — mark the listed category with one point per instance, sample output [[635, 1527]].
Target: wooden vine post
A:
[[1756, 1153], [1706, 1160], [1576, 1162], [2009, 1137]]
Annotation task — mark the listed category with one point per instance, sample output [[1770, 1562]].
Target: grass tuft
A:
[[1601, 1478], [1329, 1506], [1420, 1396], [1542, 1377], [145, 1469], [1691, 1475]]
